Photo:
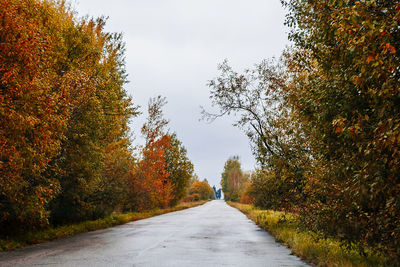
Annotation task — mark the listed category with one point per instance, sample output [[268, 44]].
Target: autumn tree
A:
[[150, 186], [162, 176], [233, 179], [97, 127], [201, 190], [324, 122], [63, 112], [345, 86], [179, 167], [258, 98], [34, 100]]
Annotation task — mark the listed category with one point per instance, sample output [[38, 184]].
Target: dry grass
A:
[[310, 246]]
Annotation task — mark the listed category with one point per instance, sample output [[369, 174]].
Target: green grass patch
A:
[[114, 219], [310, 246]]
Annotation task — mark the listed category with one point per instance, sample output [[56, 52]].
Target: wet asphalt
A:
[[213, 234]]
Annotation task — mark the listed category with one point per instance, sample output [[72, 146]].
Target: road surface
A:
[[213, 234]]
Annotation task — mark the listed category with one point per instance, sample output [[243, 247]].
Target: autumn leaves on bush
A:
[[65, 152], [324, 121]]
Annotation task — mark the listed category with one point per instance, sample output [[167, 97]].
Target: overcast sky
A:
[[173, 48]]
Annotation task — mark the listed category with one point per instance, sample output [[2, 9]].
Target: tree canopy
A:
[[233, 179], [65, 147], [324, 120]]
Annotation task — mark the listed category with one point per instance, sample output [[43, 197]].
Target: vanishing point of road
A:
[[213, 234]]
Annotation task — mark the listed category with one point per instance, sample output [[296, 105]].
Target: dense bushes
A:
[[324, 121], [344, 79], [200, 190], [65, 152], [62, 108]]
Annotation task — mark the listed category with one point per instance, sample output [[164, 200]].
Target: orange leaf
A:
[[391, 48], [370, 58]]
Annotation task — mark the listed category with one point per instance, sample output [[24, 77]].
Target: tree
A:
[[162, 176], [258, 97], [33, 110], [252, 97], [149, 185], [344, 76], [233, 179], [201, 190], [179, 167], [62, 110], [97, 124]]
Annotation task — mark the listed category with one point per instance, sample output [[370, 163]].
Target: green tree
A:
[[179, 167], [98, 120], [233, 179]]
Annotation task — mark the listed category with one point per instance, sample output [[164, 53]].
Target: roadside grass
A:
[[52, 233], [310, 246]]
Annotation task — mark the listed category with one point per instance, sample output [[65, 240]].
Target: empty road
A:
[[213, 234]]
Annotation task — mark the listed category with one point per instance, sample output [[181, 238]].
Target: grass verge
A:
[[309, 246], [52, 233]]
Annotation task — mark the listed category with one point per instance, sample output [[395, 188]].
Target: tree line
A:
[[324, 122], [65, 148]]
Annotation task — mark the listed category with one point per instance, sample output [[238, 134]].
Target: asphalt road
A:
[[213, 234]]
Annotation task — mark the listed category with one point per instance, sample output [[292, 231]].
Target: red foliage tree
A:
[[150, 184], [33, 108]]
